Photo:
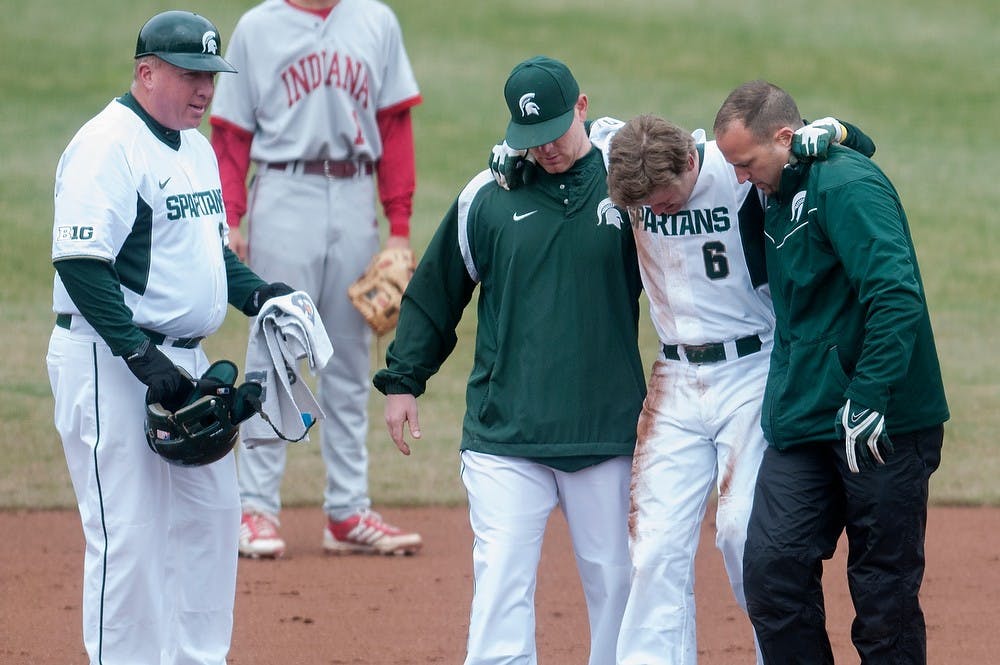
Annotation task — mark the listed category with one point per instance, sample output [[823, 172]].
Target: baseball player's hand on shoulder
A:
[[400, 409], [813, 141], [509, 166], [167, 386], [865, 441]]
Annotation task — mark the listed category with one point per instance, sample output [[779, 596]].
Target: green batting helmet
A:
[[184, 39], [206, 428]]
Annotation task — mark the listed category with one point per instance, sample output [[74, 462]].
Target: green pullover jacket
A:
[[557, 374]]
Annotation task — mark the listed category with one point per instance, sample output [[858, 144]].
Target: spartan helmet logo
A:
[[608, 213], [209, 43], [528, 105]]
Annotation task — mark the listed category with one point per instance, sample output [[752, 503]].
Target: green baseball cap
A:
[[541, 94]]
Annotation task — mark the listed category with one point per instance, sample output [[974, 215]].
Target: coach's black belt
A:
[[712, 353], [328, 167], [66, 321]]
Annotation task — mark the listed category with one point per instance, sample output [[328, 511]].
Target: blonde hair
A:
[[647, 153]]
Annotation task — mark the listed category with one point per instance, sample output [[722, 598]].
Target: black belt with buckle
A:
[[66, 321], [327, 167], [714, 352]]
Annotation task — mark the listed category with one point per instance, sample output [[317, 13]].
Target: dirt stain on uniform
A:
[[726, 479], [645, 434], [644, 427]]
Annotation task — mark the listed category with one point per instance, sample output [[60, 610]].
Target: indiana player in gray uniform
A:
[[142, 274], [322, 107], [699, 238]]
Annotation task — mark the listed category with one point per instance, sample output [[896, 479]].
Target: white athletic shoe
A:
[[366, 533], [259, 536]]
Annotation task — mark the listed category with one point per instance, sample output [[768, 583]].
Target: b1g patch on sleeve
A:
[[69, 233]]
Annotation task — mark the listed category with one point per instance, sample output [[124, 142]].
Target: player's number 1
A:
[[359, 138], [714, 254]]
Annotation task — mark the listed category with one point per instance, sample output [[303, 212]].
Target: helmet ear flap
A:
[[218, 379]]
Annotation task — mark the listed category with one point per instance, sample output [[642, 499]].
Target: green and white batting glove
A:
[[813, 141], [508, 165], [865, 441]]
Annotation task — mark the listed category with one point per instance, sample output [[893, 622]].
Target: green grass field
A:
[[921, 77]]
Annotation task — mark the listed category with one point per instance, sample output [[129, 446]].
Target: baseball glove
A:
[[379, 291]]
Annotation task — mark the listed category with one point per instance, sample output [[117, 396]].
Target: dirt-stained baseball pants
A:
[[699, 431]]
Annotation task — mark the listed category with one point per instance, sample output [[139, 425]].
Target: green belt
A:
[[66, 320]]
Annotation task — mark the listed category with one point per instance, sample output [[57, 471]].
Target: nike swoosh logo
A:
[[163, 183], [518, 218], [855, 417]]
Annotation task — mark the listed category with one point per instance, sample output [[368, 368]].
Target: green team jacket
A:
[[557, 371], [851, 316]]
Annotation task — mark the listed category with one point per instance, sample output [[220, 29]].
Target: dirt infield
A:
[[315, 609]]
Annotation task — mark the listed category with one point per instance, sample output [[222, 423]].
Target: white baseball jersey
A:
[[316, 84], [703, 273], [124, 196]]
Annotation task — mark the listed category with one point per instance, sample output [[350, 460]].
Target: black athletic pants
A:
[[804, 499]]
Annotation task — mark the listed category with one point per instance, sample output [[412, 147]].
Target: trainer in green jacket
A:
[[854, 404]]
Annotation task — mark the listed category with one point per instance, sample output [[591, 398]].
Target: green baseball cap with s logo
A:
[[541, 94]]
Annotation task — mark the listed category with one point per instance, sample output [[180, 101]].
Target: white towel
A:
[[287, 330]]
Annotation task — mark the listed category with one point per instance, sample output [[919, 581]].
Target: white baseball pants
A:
[[510, 500], [159, 574], [699, 428]]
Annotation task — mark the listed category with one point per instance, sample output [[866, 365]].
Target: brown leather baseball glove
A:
[[379, 291]]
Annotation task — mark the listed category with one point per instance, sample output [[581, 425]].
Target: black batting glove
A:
[[264, 293], [167, 386]]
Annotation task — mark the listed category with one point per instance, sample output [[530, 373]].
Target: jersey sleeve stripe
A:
[[464, 204]]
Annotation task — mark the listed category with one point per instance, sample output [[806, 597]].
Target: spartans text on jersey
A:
[[195, 204], [687, 222]]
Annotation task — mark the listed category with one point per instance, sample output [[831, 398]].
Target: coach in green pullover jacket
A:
[[557, 382], [854, 404]]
